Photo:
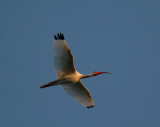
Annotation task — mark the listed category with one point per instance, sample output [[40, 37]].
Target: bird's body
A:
[[67, 76], [73, 77]]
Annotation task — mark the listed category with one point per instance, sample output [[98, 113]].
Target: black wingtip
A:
[[90, 106], [59, 36], [55, 37]]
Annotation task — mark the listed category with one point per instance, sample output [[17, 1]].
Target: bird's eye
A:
[[95, 73]]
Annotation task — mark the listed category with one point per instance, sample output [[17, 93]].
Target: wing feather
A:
[[80, 93], [63, 59]]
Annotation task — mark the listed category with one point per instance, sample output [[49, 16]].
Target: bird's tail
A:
[[50, 84]]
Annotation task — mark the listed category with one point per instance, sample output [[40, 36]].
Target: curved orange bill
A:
[[104, 72]]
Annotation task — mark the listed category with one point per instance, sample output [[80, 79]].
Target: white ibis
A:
[[67, 76]]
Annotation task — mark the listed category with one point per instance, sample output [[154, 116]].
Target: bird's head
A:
[[95, 73]]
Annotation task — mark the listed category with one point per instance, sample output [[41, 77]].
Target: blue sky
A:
[[121, 37]]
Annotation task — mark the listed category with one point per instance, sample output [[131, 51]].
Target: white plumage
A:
[[67, 76]]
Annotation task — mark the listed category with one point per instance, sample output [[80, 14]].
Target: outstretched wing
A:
[[63, 59], [80, 93]]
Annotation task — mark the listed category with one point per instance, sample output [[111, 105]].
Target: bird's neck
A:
[[87, 76]]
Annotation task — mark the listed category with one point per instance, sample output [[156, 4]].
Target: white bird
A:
[[67, 76]]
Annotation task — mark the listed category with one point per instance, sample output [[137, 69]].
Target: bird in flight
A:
[[67, 76]]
